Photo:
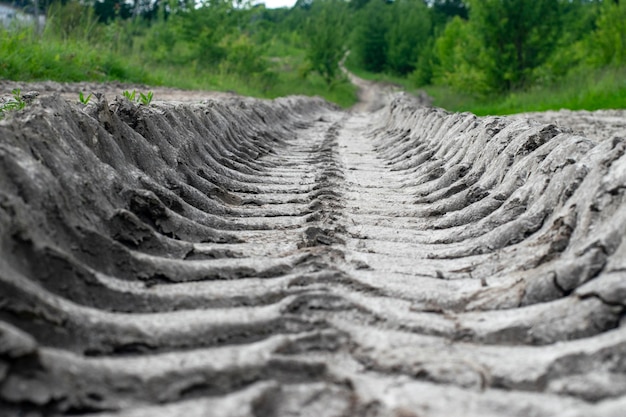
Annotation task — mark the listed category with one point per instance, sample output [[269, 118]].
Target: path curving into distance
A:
[[244, 257]]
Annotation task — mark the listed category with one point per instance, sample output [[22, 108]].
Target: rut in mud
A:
[[271, 258]]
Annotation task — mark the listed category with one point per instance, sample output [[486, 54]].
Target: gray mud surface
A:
[[237, 257]]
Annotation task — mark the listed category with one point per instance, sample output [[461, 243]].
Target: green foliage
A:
[[474, 50], [609, 40], [130, 96], [71, 20], [325, 38], [202, 30], [358, 4], [26, 56], [217, 46], [577, 20], [146, 99], [245, 58], [142, 98], [588, 90], [369, 44], [84, 99], [424, 67], [457, 53], [209, 39], [512, 45], [408, 36], [109, 10], [17, 103], [515, 37], [444, 10]]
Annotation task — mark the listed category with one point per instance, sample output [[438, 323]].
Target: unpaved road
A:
[[240, 257]]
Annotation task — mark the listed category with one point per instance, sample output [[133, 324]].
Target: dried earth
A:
[[226, 256]]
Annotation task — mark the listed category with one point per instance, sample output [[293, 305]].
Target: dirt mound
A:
[[111, 89], [599, 125], [243, 257]]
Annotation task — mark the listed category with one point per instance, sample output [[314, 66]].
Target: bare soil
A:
[[214, 255]]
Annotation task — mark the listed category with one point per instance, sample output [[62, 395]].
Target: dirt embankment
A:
[[241, 257], [110, 90]]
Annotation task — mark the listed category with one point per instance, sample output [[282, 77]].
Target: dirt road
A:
[[240, 257]]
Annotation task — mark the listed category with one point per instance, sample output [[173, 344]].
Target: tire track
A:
[[253, 258]]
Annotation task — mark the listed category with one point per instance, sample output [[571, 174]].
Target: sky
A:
[[272, 4]]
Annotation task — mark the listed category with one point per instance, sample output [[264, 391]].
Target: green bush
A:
[[408, 36], [608, 42], [457, 53]]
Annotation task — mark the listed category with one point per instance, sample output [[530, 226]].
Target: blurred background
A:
[[485, 56]]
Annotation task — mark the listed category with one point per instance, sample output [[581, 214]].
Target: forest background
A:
[[485, 56]]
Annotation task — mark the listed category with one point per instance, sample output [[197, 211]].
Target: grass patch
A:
[[26, 57], [590, 90]]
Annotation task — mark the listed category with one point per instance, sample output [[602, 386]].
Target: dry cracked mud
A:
[[241, 257]]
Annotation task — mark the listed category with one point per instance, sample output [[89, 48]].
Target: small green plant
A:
[[17, 103], [129, 95], [83, 99], [146, 99], [17, 96]]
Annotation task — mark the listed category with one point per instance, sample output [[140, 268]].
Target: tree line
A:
[[481, 47]]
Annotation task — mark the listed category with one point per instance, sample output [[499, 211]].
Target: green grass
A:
[[26, 57], [589, 90]]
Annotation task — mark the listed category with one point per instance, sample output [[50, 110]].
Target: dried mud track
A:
[[254, 258]]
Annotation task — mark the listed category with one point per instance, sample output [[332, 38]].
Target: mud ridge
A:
[[243, 257]]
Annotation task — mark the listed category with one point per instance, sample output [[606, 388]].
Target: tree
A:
[[108, 10], [370, 37], [457, 53], [408, 36], [358, 4], [516, 36], [609, 39], [325, 36], [444, 10], [423, 73], [578, 20]]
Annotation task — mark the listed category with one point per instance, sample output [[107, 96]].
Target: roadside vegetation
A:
[[498, 56], [15, 103], [485, 56]]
